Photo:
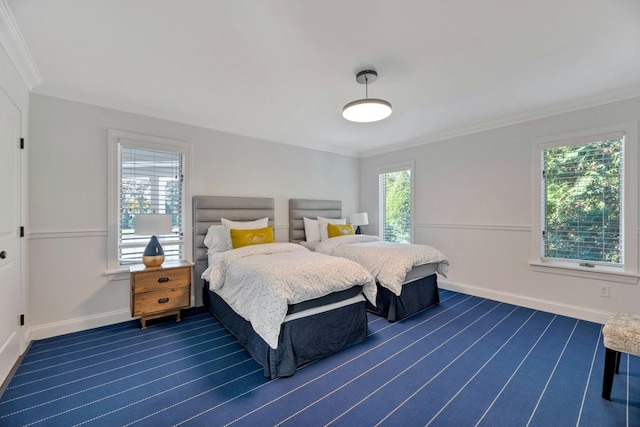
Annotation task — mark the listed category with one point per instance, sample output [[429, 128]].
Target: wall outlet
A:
[[604, 291]]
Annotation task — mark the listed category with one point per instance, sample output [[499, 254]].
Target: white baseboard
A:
[[10, 352], [105, 319], [577, 312], [78, 324]]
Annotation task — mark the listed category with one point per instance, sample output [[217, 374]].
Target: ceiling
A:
[[282, 70]]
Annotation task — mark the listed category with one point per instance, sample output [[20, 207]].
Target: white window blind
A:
[[582, 200], [395, 205], [151, 181]]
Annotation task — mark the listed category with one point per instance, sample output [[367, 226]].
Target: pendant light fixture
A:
[[368, 109]]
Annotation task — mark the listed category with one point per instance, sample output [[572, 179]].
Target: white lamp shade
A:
[[359, 218], [366, 110], [153, 224]]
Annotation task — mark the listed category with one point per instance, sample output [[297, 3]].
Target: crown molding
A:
[[13, 43], [69, 94], [621, 95]]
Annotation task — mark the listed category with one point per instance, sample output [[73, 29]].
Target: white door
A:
[[10, 257]]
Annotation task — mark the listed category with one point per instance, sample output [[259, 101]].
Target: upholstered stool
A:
[[621, 335]]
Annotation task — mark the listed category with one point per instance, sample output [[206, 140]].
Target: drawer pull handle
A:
[[163, 300], [163, 280]]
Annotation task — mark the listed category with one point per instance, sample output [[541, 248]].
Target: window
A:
[[147, 175], [396, 203], [587, 199], [582, 185]]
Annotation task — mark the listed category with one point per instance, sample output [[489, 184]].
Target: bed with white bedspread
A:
[[388, 262], [406, 274], [259, 282], [285, 304]]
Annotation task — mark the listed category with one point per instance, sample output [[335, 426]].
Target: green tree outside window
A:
[[396, 206], [582, 215]]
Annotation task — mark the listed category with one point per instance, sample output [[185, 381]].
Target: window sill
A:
[[117, 275], [593, 273]]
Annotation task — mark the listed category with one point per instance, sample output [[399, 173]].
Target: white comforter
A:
[[259, 281], [388, 262]]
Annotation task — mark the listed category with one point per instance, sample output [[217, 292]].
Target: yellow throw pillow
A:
[[240, 238], [335, 230]]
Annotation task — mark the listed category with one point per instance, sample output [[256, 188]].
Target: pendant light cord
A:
[[366, 87]]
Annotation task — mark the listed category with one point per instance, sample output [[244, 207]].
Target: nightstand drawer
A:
[[168, 299], [163, 279], [160, 291]]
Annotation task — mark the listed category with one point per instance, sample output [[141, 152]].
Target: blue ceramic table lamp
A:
[[153, 225]]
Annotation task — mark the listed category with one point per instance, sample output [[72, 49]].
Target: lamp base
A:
[[153, 255], [153, 261], [358, 230]]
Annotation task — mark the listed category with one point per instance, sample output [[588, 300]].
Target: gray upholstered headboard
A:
[[299, 208], [208, 210]]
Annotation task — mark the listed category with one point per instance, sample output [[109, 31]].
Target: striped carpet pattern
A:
[[466, 362]]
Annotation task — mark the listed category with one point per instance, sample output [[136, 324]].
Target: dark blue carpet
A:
[[467, 362]]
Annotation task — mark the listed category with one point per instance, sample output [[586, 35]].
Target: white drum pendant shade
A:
[[366, 110]]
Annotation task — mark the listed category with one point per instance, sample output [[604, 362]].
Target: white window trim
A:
[[396, 167], [627, 274], [151, 142]]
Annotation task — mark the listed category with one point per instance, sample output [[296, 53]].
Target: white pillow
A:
[[216, 239], [324, 234], [242, 225], [311, 230]]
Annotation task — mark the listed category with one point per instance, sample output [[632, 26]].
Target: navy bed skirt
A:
[[415, 296], [301, 340]]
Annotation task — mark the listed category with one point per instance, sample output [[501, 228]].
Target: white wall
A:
[[68, 197], [473, 200]]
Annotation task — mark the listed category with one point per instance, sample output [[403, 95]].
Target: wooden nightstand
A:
[[160, 291]]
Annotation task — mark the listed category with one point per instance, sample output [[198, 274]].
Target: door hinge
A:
[[22, 320], [21, 231], [22, 143]]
